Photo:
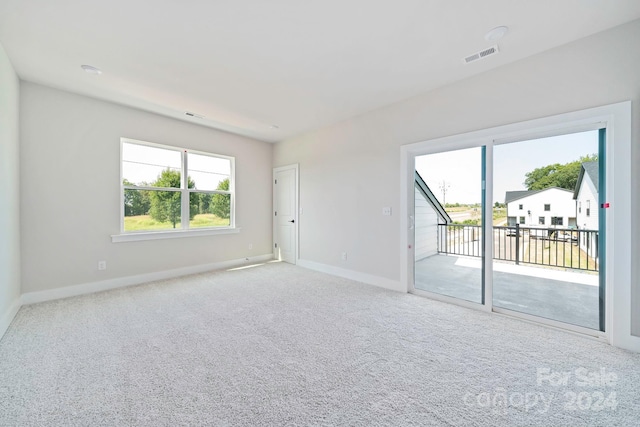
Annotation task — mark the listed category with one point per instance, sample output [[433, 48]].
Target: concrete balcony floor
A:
[[566, 296]]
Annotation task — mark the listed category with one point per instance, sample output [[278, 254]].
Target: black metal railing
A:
[[458, 239], [554, 247]]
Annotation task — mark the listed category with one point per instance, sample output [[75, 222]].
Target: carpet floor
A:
[[281, 345]]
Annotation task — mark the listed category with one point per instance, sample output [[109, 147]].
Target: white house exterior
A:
[[586, 197], [549, 208], [428, 214]]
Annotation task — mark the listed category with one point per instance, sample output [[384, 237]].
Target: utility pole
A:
[[444, 187]]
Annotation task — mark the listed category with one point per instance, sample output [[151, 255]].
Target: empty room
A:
[[420, 212]]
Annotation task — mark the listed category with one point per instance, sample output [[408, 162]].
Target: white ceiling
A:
[[247, 64]]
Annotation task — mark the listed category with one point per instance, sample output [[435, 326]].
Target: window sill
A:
[[177, 234]]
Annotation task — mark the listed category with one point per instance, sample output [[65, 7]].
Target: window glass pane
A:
[[543, 270], [208, 172], [151, 210], [150, 166], [448, 200], [209, 210]]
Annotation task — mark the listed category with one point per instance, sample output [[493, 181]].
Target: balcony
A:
[[546, 272], [550, 247]]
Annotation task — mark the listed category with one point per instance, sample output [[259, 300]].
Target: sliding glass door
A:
[[546, 259], [544, 238], [448, 202]]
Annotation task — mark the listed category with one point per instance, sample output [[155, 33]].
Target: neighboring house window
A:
[[579, 207], [588, 207], [521, 220], [541, 220], [170, 188], [547, 207], [556, 220], [520, 207]]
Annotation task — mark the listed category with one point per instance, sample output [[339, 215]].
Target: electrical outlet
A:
[[102, 265], [386, 211], [344, 256]]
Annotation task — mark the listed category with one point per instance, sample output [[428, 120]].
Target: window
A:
[[547, 207], [541, 220], [521, 220], [556, 220], [579, 207], [520, 207], [588, 207], [169, 188]]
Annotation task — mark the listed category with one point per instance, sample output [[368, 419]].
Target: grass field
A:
[[561, 254], [146, 223]]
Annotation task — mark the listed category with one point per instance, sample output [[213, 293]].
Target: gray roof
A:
[[511, 196], [433, 201], [592, 169]]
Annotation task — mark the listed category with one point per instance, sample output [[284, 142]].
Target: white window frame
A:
[[184, 230]]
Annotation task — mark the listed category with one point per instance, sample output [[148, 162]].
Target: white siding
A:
[[426, 228], [561, 205], [588, 196]]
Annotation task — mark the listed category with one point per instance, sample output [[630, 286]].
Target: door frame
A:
[[616, 118], [296, 201]]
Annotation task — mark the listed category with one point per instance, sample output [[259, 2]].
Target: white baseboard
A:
[[120, 282], [369, 279], [7, 318]]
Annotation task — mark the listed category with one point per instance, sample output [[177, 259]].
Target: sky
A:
[[142, 164], [461, 169]]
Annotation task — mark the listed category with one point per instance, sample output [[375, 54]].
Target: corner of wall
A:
[[9, 193]]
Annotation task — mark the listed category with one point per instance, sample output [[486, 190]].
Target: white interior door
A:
[[285, 209]]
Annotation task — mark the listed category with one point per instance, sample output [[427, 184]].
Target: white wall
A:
[[350, 170], [70, 205], [426, 226], [561, 205], [587, 193], [9, 193]]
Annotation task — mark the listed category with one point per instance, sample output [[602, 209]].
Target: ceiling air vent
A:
[[190, 114], [482, 54]]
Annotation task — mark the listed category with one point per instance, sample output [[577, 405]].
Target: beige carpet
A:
[[280, 345]]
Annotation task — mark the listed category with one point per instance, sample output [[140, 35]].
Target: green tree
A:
[[166, 205], [556, 175], [204, 203], [221, 203], [136, 202]]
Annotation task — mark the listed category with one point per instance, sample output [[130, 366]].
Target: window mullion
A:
[[184, 193]]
